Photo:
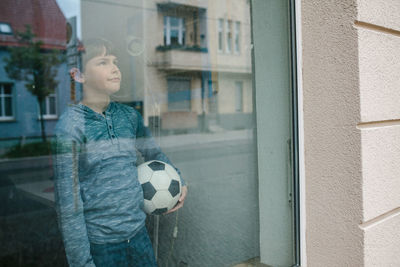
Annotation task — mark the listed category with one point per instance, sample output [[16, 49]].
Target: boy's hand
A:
[[180, 201]]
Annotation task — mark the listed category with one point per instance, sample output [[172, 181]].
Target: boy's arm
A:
[[69, 204], [147, 146]]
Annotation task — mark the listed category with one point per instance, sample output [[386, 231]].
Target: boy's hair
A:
[[95, 47]]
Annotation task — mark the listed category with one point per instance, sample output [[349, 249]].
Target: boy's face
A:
[[102, 74]]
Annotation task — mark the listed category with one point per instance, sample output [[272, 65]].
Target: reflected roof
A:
[[45, 17]]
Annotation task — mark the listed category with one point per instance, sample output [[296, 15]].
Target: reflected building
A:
[[199, 62], [186, 63], [19, 109]]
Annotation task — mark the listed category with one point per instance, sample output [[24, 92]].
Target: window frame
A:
[[183, 79], [236, 37], [239, 96], [295, 143], [220, 35], [46, 114], [168, 28], [46, 106], [2, 100]]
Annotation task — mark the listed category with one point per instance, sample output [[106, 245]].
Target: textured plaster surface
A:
[[379, 64], [381, 162], [382, 243], [379, 75], [384, 13], [332, 140]]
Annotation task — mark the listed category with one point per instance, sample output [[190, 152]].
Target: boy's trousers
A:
[[137, 251]]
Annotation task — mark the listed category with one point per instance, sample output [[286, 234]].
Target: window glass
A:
[[7, 89], [178, 94], [174, 31], [220, 35], [8, 106], [228, 30], [149, 101], [239, 97], [174, 22], [174, 37], [237, 36], [52, 105], [5, 28], [6, 98]]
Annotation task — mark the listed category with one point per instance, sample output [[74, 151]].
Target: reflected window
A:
[[237, 37], [179, 94], [228, 31], [174, 31], [220, 35], [239, 96], [5, 28], [6, 101], [50, 107]]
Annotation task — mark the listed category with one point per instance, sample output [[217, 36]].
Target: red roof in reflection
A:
[[45, 17]]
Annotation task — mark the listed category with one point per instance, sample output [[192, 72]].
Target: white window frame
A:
[[167, 29], [220, 35], [302, 173], [3, 106], [228, 34], [236, 37], [46, 111]]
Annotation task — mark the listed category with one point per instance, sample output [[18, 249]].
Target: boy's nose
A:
[[115, 68]]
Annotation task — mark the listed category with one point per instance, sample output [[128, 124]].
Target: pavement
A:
[[195, 139]]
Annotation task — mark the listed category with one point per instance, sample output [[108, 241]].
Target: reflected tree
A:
[[37, 67]]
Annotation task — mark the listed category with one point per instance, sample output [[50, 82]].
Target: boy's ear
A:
[[77, 75]]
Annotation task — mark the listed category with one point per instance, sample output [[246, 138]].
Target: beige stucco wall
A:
[[227, 92], [378, 25], [331, 138], [351, 81]]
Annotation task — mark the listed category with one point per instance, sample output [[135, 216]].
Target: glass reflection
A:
[[186, 70]]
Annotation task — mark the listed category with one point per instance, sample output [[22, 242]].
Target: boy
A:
[[98, 197]]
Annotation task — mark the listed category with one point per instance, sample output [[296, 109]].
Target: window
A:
[[5, 28], [229, 38], [174, 31], [220, 35], [239, 96], [6, 101], [50, 107], [237, 37], [179, 96], [228, 31]]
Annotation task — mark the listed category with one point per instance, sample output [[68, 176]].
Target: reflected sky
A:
[[71, 8]]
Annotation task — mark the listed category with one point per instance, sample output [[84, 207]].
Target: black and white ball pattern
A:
[[161, 186]]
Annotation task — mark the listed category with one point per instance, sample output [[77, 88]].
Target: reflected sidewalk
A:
[[197, 139], [42, 191]]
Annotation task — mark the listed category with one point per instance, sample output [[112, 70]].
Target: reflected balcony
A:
[[189, 58]]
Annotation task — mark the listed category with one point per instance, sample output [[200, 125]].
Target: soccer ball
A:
[[161, 186]]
